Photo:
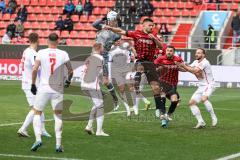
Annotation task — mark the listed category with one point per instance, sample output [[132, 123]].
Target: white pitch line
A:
[[36, 157], [230, 157]]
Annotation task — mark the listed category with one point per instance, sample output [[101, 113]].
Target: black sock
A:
[[112, 91], [160, 103], [137, 80], [172, 107]]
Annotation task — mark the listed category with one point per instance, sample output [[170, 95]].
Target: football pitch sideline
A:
[[136, 138]]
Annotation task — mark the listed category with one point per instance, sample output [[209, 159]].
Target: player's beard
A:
[[169, 56]]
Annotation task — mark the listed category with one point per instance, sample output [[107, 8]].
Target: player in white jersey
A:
[[27, 63], [93, 68], [52, 61], [201, 68]]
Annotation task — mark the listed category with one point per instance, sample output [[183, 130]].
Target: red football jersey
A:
[[169, 71], [161, 51], [144, 45]]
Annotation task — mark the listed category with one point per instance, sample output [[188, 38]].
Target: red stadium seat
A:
[[44, 25], [92, 35], [189, 5], [88, 42], [37, 10], [171, 5], [110, 4], [224, 6], [55, 10], [180, 5], [211, 6], [194, 13], [157, 12], [2, 32], [34, 3], [92, 18], [75, 18], [25, 2], [69, 42], [234, 7], [78, 26], [88, 27], [73, 34], [48, 18], [3, 25], [41, 17], [51, 3], [162, 4], [172, 20], [31, 17], [27, 25], [43, 41], [46, 33], [6, 17], [167, 12], [96, 11], [163, 20], [46, 10], [65, 34], [101, 4], [27, 32], [155, 4], [185, 13], [176, 13], [30, 9], [83, 34], [60, 3], [51, 25], [39, 32], [42, 2], [35, 25], [104, 11], [83, 18], [155, 19], [77, 42]]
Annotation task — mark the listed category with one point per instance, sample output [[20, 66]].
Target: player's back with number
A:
[[52, 68]]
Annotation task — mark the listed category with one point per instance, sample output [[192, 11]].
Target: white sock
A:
[[92, 116], [124, 99], [143, 98], [209, 108], [133, 95], [43, 123], [196, 112], [58, 128], [37, 125], [100, 119], [28, 120]]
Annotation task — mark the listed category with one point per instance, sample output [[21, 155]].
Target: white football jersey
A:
[[52, 69], [207, 76], [27, 63], [92, 70]]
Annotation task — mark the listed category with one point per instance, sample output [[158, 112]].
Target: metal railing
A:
[[198, 41]]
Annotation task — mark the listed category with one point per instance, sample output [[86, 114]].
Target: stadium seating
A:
[[43, 14]]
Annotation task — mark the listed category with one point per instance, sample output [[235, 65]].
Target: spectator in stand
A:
[[68, 24], [236, 28], [7, 38], [69, 8], [12, 6], [164, 31], [147, 8], [79, 8], [22, 14], [132, 8], [210, 38], [59, 24], [2, 6], [88, 7], [11, 28], [19, 30]]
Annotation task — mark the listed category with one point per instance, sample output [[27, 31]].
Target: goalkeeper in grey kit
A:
[[107, 38]]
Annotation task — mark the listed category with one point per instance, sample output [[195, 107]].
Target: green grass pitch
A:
[[130, 139]]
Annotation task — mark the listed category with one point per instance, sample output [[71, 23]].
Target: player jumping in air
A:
[[168, 82], [201, 68], [27, 62], [107, 38], [52, 61]]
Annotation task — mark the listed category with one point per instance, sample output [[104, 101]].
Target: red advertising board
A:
[[10, 67]]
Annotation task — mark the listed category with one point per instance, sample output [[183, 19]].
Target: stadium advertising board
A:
[[215, 18]]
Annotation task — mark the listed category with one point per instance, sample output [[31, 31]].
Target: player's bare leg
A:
[[209, 108], [196, 112]]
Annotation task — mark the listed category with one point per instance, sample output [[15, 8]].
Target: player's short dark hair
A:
[[203, 50], [147, 20], [33, 37], [53, 37], [171, 47]]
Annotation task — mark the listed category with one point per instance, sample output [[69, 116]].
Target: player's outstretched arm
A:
[[156, 40], [70, 74], [193, 70], [116, 30], [98, 24]]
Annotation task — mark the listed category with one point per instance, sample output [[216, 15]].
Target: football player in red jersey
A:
[[145, 44], [168, 82]]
